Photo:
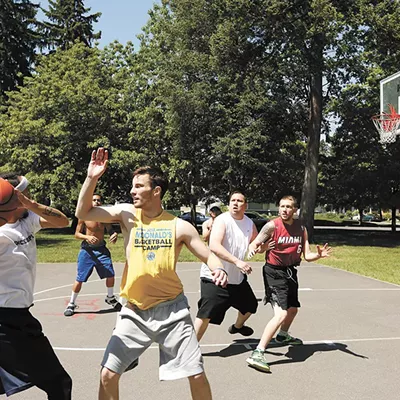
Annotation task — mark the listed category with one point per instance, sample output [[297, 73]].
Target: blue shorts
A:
[[94, 257]]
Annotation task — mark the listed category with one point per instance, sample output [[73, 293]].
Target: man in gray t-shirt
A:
[[230, 237]]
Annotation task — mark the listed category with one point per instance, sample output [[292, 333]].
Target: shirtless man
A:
[[207, 225], [94, 254], [156, 309]]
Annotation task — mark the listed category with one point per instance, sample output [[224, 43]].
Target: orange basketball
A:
[[7, 201]]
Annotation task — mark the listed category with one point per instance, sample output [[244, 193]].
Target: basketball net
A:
[[387, 124]]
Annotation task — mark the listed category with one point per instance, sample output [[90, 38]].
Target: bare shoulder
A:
[[184, 229]]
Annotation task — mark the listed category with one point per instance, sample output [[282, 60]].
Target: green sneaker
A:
[[287, 340], [257, 360]]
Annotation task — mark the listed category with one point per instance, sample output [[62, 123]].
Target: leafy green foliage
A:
[[68, 108], [18, 41]]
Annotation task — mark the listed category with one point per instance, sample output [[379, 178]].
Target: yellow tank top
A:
[[151, 278]]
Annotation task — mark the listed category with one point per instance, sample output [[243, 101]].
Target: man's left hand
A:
[[113, 237]]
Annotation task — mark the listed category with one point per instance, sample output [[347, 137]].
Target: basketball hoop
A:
[[387, 124]]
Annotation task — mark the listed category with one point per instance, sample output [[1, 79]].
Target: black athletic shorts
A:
[[27, 358], [216, 300], [281, 286]]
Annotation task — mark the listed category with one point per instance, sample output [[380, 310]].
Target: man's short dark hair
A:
[[157, 177], [98, 194], [215, 210], [238, 192], [291, 198], [12, 177]]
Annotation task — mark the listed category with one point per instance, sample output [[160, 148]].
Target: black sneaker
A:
[[112, 301], [244, 330], [70, 310]]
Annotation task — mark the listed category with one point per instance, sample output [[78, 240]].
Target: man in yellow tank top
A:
[[156, 309]]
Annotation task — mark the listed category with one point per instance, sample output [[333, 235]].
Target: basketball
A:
[[7, 201]]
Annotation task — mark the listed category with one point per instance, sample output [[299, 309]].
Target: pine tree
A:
[[67, 23], [18, 42]]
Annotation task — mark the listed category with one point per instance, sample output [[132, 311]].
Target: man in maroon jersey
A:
[[287, 240]]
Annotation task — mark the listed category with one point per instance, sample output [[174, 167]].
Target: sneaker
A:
[[244, 330], [70, 310], [258, 361], [282, 339], [112, 301]]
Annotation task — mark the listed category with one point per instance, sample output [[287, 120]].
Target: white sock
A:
[[110, 291], [259, 348], [283, 333], [73, 298]]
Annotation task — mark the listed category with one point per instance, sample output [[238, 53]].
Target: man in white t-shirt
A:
[[231, 235], [26, 356]]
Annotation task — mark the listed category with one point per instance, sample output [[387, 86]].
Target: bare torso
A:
[[95, 229]]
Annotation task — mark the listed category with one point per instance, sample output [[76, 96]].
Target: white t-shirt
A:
[[237, 238], [18, 262]]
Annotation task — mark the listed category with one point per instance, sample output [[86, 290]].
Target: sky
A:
[[121, 20]]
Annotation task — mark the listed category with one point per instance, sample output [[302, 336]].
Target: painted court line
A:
[[248, 345], [97, 280], [256, 291]]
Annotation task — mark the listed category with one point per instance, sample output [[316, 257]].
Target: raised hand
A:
[[98, 163], [325, 251]]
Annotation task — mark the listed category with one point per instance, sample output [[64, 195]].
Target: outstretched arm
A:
[[256, 246], [322, 252], [49, 216], [188, 234]]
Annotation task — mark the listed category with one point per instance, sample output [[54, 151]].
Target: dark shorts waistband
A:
[[282, 266]]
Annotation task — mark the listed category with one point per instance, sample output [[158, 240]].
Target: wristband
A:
[[221, 269]]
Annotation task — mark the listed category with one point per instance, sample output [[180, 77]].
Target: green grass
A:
[[374, 254]]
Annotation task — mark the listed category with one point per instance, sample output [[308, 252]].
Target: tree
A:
[[18, 41], [73, 104], [214, 96], [68, 24], [362, 172]]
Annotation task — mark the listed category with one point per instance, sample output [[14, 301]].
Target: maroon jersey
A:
[[289, 241]]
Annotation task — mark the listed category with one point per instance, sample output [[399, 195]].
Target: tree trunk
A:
[[361, 214], [393, 219], [193, 211], [309, 191], [193, 203]]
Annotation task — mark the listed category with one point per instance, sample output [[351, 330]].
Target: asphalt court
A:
[[349, 324]]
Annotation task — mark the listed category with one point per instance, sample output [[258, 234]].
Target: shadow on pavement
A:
[[105, 311], [305, 351], [294, 353], [237, 347]]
